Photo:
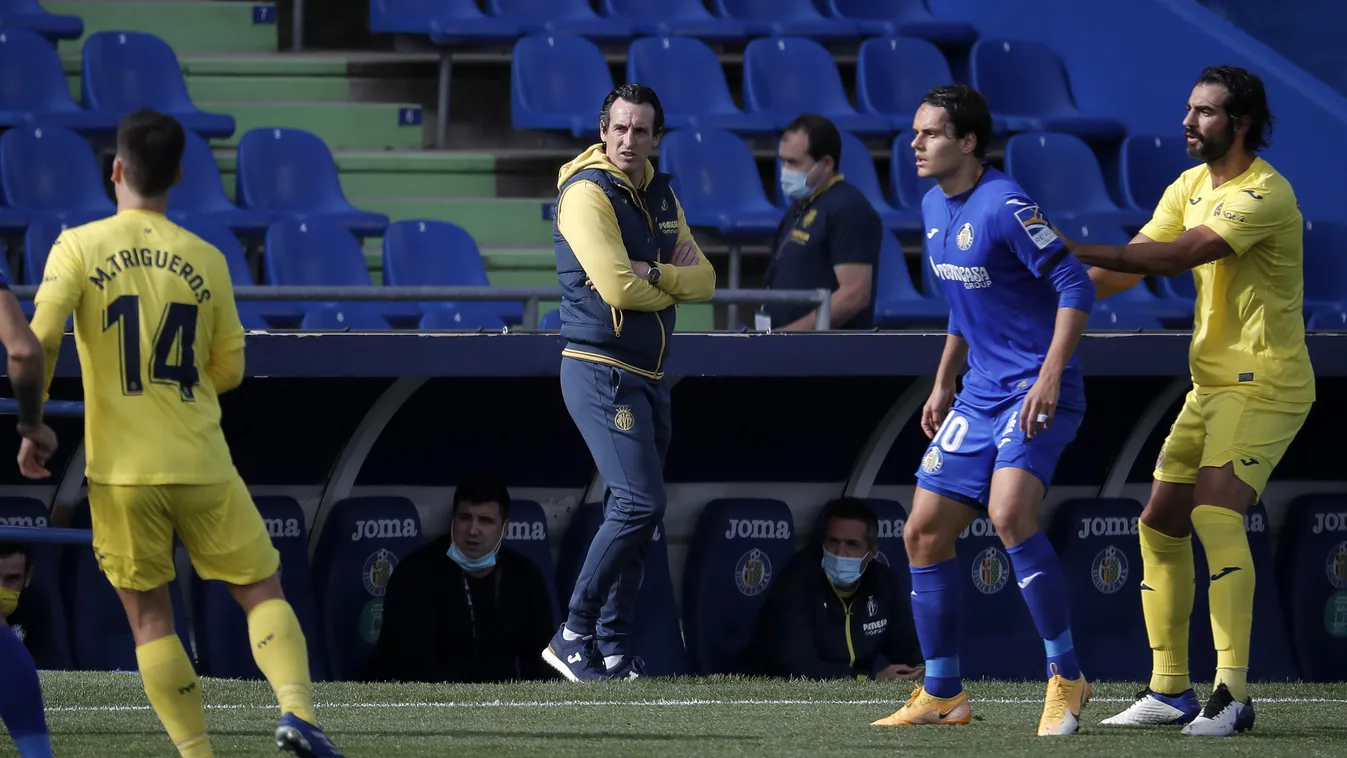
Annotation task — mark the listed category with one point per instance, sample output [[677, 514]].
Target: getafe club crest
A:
[[965, 237]]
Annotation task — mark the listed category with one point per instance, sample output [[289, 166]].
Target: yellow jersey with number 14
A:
[[1248, 327], [153, 306]]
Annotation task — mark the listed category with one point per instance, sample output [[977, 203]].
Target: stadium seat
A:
[[562, 17], [1181, 289], [1096, 540], [220, 624], [787, 76], [1271, 656], [691, 86], [251, 312], [655, 635], [290, 173], [1061, 173], [1149, 165], [358, 548], [898, 305], [737, 546], [527, 534], [451, 317], [35, 91], [674, 18], [858, 166], [29, 15], [1116, 311], [1312, 574], [997, 635], [786, 18], [44, 591], [1326, 320], [342, 317], [123, 72], [447, 22], [558, 82], [37, 242], [909, 18], [49, 171], [717, 182], [908, 188], [551, 321], [892, 552], [1106, 317], [419, 253], [1325, 264], [322, 254], [893, 74], [1026, 84], [200, 196], [100, 636]]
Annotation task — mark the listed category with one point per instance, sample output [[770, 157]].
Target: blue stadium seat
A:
[[655, 636], [1107, 317], [558, 82], [893, 74], [125, 71], [1149, 165], [358, 549], [787, 76], [222, 628], [418, 253], [1179, 288], [37, 93], [892, 517], [29, 15], [738, 546], [898, 305], [551, 321], [1326, 320], [1325, 264], [452, 317], [527, 535], [717, 182], [858, 166], [1096, 540], [908, 188], [45, 589], [997, 636], [674, 18], [290, 173], [1026, 84], [786, 18], [37, 242], [201, 197], [691, 86], [910, 18], [1312, 574], [1116, 311], [322, 254], [1271, 655], [49, 171], [341, 317], [100, 636], [1061, 173], [251, 312], [446, 21], [562, 17]]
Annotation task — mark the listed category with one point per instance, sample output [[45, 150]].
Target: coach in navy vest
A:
[[625, 260]]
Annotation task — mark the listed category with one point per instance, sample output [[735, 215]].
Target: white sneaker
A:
[[1222, 716], [1154, 709]]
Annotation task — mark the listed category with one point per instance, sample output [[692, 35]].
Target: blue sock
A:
[[21, 698], [1035, 561], [936, 601]]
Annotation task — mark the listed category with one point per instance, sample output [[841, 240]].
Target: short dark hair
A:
[[968, 113], [150, 145], [482, 489], [15, 548], [852, 509], [636, 94], [1245, 97], [824, 139]]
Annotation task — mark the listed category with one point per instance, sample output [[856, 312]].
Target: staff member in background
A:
[[625, 258], [27, 613], [828, 239]]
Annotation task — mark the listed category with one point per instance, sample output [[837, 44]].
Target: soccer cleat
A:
[[1062, 705], [1154, 709], [297, 736], [1222, 716], [631, 667], [924, 708], [578, 660]]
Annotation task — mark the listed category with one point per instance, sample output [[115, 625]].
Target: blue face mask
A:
[[795, 184], [843, 572], [468, 564]]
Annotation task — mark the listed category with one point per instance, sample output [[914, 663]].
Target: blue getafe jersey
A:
[[1005, 275]]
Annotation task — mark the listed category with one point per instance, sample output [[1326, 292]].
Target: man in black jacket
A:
[[832, 613], [463, 608], [27, 612]]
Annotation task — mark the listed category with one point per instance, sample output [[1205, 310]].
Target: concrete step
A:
[[400, 173], [342, 125], [492, 221], [203, 26]]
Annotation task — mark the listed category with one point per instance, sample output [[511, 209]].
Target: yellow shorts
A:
[[1225, 425], [218, 524]]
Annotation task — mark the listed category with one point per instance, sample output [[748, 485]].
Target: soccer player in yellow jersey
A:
[[1233, 220], [159, 339]]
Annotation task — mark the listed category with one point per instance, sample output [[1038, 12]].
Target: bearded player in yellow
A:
[[1234, 221], [159, 339]]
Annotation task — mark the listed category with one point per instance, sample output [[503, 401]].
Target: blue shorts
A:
[[975, 441]]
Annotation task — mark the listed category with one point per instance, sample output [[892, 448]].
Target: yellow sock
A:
[[1231, 592], [175, 694], [1167, 570], [283, 656]]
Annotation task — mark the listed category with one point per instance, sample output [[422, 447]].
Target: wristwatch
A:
[[654, 275]]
